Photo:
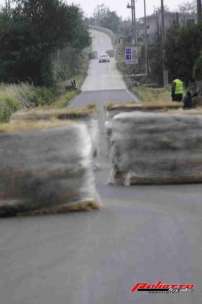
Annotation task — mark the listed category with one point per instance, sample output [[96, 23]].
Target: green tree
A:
[[197, 70], [182, 49], [103, 16], [34, 31], [155, 62]]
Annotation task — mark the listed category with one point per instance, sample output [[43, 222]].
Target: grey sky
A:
[[119, 6]]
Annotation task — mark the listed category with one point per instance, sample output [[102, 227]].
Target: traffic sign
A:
[[131, 55]]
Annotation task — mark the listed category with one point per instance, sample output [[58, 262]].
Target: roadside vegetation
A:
[[183, 57], [25, 96], [183, 52], [14, 97], [152, 95], [107, 18], [43, 46]]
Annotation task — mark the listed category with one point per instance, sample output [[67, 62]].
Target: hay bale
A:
[[48, 114], [85, 115], [156, 148], [46, 168], [114, 109]]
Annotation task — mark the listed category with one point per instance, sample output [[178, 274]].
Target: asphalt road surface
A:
[[102, 76], [142, 234]]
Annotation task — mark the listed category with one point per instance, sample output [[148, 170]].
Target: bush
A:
[[8, 106], [63, 100], [15, 97], [43, 96]]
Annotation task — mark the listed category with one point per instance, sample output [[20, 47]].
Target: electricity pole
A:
[[163, 40], [134, 24], [199, 11], [146, 39], [8, 6]]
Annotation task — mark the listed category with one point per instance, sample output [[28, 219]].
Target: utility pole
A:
[[134, 23], [199, 11], [146, 39], [8, 6], [163, 40]]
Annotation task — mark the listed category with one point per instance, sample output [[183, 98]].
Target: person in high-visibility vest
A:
[[177, 90]]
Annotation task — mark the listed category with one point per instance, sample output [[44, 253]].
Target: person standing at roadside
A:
[[177, 90]]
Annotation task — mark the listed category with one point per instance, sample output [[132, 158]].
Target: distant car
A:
[[104, 58]]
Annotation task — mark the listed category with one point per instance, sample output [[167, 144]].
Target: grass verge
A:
[[63, 100], [25, 96], [152, 95], [14, 97]]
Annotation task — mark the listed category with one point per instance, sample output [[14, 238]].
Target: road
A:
[[102, 76], [142, 234]]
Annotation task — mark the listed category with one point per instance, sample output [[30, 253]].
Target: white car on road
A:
[[104, 58]]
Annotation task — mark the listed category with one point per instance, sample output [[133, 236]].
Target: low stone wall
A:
[[156, 148], [46, 168]]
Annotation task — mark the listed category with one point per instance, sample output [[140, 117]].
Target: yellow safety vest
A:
[[179, 87]]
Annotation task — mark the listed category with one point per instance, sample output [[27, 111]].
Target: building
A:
[[154, 23]]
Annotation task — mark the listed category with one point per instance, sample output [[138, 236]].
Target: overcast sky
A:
[[119, 6]]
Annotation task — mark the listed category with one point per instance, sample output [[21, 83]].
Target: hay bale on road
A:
[[114, 109], [48, 114], [156, 148], [85, 115], [46, 167]]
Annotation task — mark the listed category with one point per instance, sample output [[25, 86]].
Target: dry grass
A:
[[84, 206], [64, 99], [27, 95], [14, 97], [144, 107], [15, 92], [150, 99], [17, 208], [49, 113], [149, 95], [23, 126]]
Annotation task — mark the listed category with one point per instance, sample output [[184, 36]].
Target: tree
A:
[[103, 16], [188, 8], [35, 30], [183, 46], [155, 62], [197, 70]]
